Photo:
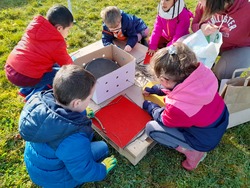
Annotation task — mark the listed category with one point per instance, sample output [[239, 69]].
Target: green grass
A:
[[226, 166]]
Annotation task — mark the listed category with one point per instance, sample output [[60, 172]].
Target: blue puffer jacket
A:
[[131, 25], [58, 151]]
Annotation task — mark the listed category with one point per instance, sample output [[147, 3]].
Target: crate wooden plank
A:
[[135, 150], [142, 144]]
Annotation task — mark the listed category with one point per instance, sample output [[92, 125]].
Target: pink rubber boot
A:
[[193, 157]]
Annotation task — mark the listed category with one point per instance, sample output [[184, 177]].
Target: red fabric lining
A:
[[122, 120]]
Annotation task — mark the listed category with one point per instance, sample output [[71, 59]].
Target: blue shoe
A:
[[25, 91], [29, 91]]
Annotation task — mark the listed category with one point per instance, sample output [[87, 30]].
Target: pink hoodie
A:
[[171, 29], [195, 101], [235, 27]]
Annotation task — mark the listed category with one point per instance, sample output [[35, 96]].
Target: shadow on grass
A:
[[5, 4]]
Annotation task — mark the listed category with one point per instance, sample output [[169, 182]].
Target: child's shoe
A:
[[25, 91], [193, 157]]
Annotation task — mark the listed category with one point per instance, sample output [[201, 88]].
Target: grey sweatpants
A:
[[170, 137], [230, 61]]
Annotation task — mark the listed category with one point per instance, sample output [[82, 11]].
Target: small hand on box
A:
[[156, 89], [153, 109]]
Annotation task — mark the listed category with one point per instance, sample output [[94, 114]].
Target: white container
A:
[[118, 80]]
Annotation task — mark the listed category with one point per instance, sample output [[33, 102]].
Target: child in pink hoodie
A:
[[195, 116], [172, 22]]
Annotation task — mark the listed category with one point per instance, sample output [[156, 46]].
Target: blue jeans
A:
[[99, 150], [48, 77], [45, 83], [170, 137]]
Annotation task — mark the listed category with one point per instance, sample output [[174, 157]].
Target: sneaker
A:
[[25, 91]]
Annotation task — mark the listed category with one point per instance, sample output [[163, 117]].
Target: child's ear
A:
[[59, 27], [75, 103]]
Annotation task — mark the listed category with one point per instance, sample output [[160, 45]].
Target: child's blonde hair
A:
[[177, 62], [111, 16]]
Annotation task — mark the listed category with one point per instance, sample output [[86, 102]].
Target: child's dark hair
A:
[[72, 82], [60, 15], [176, 61]]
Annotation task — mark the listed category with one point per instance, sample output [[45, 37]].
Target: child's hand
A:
[[156, 89], [209, 29], [127, 48], [145, 93], [151, 52], [150, 107], [90, 112], [109, 163]]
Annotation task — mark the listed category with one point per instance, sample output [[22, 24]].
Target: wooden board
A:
[[142, 144], [135, 150]]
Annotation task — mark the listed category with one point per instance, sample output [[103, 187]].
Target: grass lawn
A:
[[226, 166]]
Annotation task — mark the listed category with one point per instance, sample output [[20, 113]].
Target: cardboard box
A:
[[139, 51], [111, 84]]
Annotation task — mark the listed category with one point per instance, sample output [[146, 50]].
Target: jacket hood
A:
[[194, 92], [41, 29], [42, 120], [237, 4], [173, 12]]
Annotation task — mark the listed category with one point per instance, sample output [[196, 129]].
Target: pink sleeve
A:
[[197, 18], [182, 27], [156, 34]]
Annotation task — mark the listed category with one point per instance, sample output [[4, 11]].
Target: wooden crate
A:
[[142, 144], [135, 150]]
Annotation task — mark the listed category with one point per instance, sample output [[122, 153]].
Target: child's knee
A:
[[145, 32]]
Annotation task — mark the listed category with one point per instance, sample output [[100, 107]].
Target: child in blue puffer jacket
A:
[[59, 151]]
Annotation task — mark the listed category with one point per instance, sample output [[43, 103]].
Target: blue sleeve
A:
[[107, 36], [75, 152], [128, 28], [157, 114]]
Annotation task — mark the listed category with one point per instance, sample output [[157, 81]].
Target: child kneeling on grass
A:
[[59, 151], [195, 116], [37, 57], [122, 26], [171, 23]]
